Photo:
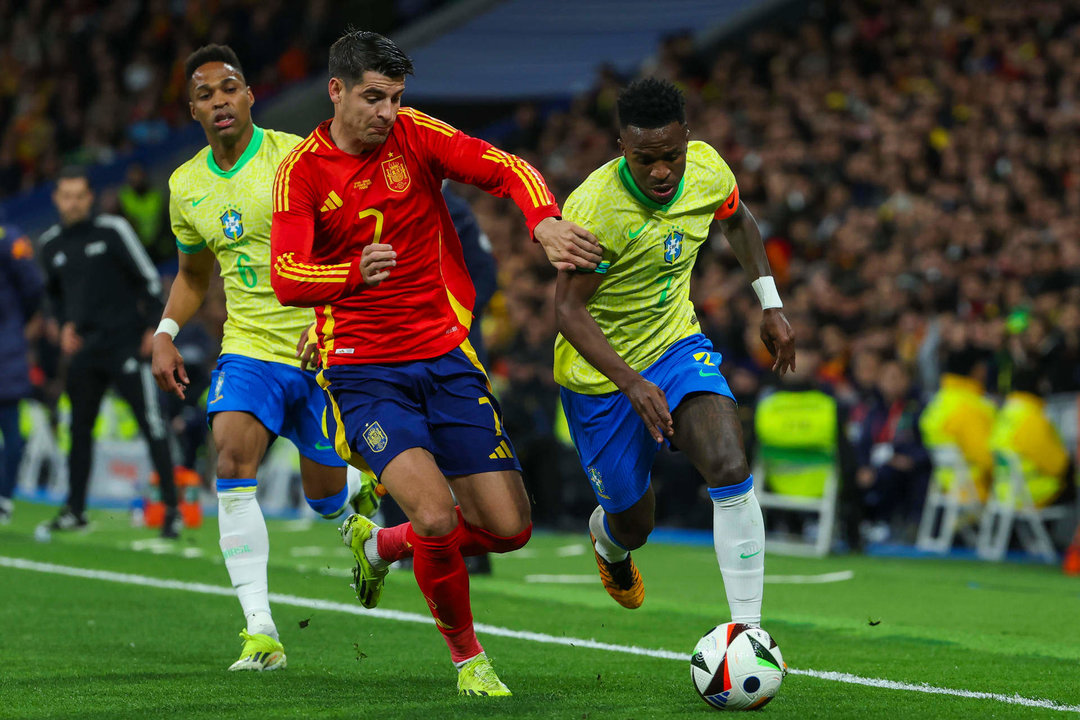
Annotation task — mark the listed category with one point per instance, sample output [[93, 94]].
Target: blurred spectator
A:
[[1022, 428], [893, 466], [20, 294], [144, 207]]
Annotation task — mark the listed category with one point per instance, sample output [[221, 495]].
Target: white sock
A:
[[353, 482], [371, 550], [246, 548], [606, 545], [739, 540], [466, 661]]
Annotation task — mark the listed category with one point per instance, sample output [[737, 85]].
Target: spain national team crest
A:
[[375, 437], [597, 482], [673, 245], [396, 173], [232, 224]]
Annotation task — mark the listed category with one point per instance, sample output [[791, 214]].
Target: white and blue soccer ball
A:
[[737, 667]]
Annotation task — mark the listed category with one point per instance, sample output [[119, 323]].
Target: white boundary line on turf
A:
[[353, 609]]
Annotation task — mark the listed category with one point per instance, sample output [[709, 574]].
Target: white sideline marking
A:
[[810, 579], [570, 550], [353, 609], [563, 579]]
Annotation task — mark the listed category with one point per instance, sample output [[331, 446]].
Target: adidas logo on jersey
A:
[[333, 202]]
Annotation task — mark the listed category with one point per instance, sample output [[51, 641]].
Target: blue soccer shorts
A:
[[613, 443], [285, 399], [443, 404]]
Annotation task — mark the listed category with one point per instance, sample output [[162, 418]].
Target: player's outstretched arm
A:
[[185, 298], [572, 291], [744, 236]]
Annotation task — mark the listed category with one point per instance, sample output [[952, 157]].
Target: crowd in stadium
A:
[[913, 167]]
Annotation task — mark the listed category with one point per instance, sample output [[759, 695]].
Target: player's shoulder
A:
[[597, 188], [414, 120], [278, 144], [194, 169], [703, 155]]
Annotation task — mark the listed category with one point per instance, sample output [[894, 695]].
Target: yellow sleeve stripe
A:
[[427, 121], [301, 278], [537, 190], [281, 181], [302, 271]]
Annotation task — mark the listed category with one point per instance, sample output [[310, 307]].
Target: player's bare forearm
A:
[[580, 329], [190, 286], [744, 236], [577, 325]]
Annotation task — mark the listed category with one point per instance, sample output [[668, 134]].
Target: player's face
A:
[[73, 199], [656, 158], [220, 101], [365, 113]]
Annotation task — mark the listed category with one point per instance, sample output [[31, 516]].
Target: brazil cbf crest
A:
[[232, 224], [597, 482], [396, 173], [673, 244], [375, 437]]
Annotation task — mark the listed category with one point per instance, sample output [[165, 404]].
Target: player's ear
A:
[[335, 89], [251, 96], [191, 107]]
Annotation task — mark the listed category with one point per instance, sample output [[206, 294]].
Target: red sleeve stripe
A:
[[539, 193], [429, 122], [281, 181]]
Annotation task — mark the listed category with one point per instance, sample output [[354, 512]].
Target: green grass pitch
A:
[[86, 647]]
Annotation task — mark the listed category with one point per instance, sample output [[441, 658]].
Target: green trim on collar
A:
[[633, 189], [249, 152]]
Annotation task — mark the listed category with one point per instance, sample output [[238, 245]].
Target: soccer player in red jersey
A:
[[361, 233]]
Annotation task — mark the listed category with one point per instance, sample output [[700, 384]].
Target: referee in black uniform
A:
[[106, 296]]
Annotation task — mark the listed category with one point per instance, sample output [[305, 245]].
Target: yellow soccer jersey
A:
[[643, 303], [229, 212]]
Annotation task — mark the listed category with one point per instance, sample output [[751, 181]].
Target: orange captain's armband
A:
[[729, 206]]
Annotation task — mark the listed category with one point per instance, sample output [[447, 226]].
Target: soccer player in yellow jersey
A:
[[635, 369], [220, 207]]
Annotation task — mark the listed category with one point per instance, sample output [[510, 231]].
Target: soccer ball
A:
[[737, 667]]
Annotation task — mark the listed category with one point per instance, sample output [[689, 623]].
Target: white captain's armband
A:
[[169, 327]]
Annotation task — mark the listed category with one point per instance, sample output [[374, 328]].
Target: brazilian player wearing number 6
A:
[[362, 234], [635, 369], [220, 206]]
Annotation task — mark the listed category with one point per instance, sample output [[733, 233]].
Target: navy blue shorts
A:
[[612, 441], [444, 405], [285, 399]]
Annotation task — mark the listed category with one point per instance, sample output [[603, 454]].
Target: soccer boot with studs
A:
[[477, 677], [621, 579], [261, 652], [367, 581]]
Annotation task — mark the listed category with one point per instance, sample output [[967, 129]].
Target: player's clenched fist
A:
[[376, 261]]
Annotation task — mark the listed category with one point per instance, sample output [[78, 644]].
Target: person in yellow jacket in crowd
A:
[[961, 414], [1022, 428]]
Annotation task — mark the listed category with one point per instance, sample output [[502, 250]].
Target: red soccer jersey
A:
[[329, 205]]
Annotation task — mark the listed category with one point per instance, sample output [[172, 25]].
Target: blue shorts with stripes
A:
[[285, 399], [613, 443], [443, 404]]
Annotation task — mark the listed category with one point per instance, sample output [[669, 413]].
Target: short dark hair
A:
[[651, 103], [358, 51], [211, 53], [73, 172]]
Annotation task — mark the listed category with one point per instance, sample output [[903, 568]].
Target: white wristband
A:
[[765, 287], [169, 327]]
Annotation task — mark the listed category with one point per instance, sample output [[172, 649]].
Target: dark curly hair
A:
[[211, 53], [651, 103]]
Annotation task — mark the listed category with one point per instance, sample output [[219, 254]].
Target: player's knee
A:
[[726, 468], [632, 533], [434, 521], [232, 463]]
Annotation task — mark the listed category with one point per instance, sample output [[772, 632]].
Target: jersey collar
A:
[[633, 189], [249, 152]]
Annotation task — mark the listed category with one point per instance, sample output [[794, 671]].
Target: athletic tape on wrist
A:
[[765, 287], [169, 327]]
